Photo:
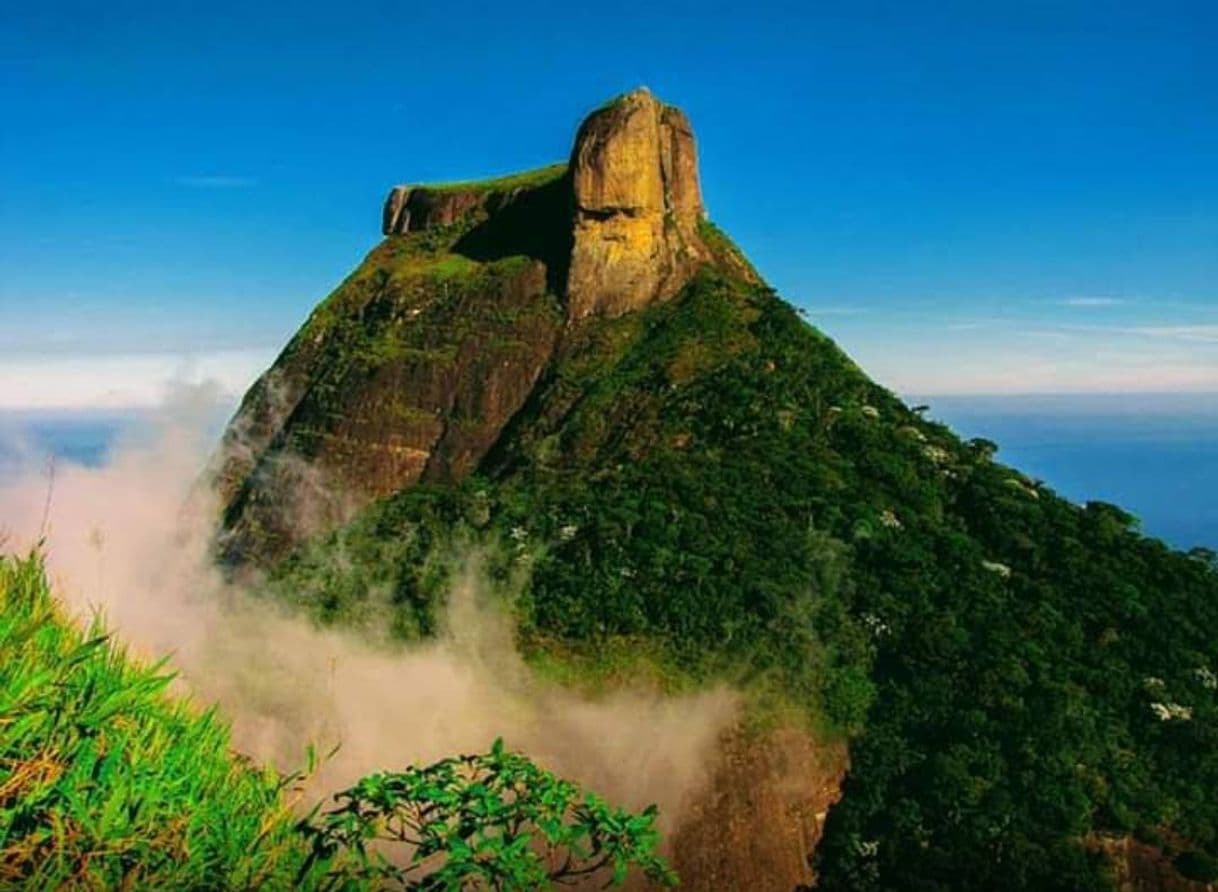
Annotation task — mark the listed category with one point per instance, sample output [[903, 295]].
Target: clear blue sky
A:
[[970, 197]]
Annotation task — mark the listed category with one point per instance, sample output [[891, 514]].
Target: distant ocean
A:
[[1156, 456], [83, 438]]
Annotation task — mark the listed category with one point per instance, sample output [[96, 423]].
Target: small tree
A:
[[493, 821], [982, 448]]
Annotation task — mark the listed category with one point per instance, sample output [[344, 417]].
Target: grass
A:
[[106, 782], [528, 179], [452, 266], [614, 663]]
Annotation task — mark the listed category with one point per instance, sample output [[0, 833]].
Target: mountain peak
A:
[[637, 205], [632, 201]]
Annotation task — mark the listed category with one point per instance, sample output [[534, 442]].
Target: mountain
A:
[[953, 677]]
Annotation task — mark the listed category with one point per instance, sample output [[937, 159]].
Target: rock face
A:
[[405, 375], [1138, 867], [637, 205], [416, 208], [763, 815], [410, 209]]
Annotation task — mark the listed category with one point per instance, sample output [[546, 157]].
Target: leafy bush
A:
[[493, 821]]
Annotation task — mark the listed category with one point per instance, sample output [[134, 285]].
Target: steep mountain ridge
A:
[[684, 482]]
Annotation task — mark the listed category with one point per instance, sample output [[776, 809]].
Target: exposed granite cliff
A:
[[634, 175], [761, 818], [633, 207], [411, 377], [1141, 867], [416, 208]]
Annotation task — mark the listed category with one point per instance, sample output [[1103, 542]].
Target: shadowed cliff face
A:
[[410, 375]]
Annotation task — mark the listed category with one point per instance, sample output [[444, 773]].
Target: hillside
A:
[[684, 482]]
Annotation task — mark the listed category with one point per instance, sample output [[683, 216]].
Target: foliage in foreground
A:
[[107, 783], [493, 821]]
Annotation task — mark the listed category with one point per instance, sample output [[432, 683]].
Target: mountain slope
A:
[[688, 482]]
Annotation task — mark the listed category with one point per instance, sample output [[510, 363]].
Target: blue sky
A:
[[970, 197]]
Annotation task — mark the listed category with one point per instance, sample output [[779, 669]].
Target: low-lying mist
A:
[[131, 539]]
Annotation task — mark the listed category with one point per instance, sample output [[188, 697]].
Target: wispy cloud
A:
[[1093, 302], [1016, 354], [1199, 333], [217, 182], [1205, 334], [976, 325], [1045, 334], [120, 381]]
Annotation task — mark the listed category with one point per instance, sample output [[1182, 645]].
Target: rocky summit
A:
[[950, 677], [633, 199], [637, 205]]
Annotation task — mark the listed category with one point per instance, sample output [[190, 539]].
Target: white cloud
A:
[[1093, 301], [1206, 334], [123, 380], [1014, 373], [1010, 358]]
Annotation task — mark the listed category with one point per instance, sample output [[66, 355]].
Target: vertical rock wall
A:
[[634, 175]]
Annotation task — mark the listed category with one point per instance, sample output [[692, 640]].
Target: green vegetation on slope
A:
[[1045, 673], [529, 179], [712, 484], [105, 782]]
